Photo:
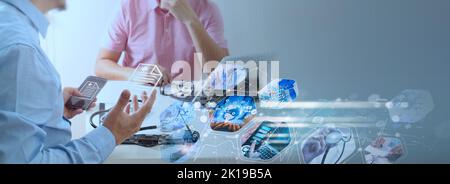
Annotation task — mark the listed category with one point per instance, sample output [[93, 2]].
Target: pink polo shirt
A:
[[151, 35]]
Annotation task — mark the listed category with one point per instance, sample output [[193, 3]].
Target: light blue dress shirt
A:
[[32, 128]]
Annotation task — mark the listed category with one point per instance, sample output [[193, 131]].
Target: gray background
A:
[[338, 48]]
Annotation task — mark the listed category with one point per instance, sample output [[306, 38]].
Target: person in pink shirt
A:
[[162, 32]]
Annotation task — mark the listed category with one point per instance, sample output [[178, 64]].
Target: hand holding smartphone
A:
[[89, 90]]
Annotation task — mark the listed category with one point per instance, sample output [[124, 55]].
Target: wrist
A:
[[193, 23], [114, 133], [67, 116], [67, 120]]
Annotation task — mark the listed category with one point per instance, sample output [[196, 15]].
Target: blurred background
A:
[[349, 49]]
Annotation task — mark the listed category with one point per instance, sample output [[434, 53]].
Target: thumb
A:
[[122, 102], [76, 92]]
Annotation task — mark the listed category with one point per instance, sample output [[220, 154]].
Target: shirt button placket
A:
[[166, 27]]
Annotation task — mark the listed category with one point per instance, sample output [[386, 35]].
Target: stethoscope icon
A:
[[332, 140]]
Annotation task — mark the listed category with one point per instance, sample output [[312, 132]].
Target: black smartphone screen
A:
[[89, 89]]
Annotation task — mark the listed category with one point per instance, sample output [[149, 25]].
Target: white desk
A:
[[213, 147]]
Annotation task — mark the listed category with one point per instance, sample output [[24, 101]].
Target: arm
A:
[[204, 43], [107, 61], [202, 40], [32, 129], [21, 141], [114, 44], [107, 66]]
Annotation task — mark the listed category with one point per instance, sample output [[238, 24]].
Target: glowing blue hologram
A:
[[180, 152], [441, 131], [227, 76], [265, 141], [176, 116], [281, 90], [217, 148], [233, 113], [384, 150], [410, 106], [328, 145]]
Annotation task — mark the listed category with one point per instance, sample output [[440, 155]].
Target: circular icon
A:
[[245, 149]]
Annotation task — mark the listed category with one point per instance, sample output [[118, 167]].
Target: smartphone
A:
[[89, 90]]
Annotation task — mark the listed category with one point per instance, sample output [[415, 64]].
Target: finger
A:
[[92, 105], [144, 96], [75, 92], [168, 78], [128, 108], [76, 112], [122, 102], [147, 107], [135, 103]]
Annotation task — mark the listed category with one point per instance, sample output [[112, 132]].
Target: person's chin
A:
[[62, 8]]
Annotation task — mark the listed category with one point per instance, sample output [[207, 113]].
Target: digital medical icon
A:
[[146, 74], [176, 116], [89, 89], [411, 106], [227, 76], [384, 150], [328, 145], [232, 113], [265, 140], [281, 90]]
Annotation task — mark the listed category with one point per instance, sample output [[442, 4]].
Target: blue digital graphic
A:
[[410, 106], [181, 148], [227, 76], [232, 113], [328, 145], [283, 90], [176, 116], [265, 141], [384, 150]]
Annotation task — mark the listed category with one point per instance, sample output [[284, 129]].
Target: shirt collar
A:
[[154, 4], [33, 13]]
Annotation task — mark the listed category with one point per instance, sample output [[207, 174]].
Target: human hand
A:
[[123, 123], [166, 78], [180, 9], [68, 112]]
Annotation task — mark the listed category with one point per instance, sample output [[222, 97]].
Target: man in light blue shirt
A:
[[34, 125]]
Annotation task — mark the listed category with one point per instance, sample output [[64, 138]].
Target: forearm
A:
[[93, 148], [112, 71], [204, 43]]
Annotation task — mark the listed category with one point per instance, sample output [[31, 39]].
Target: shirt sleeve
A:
[[117, 37], [24, 136], [215, 25]]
